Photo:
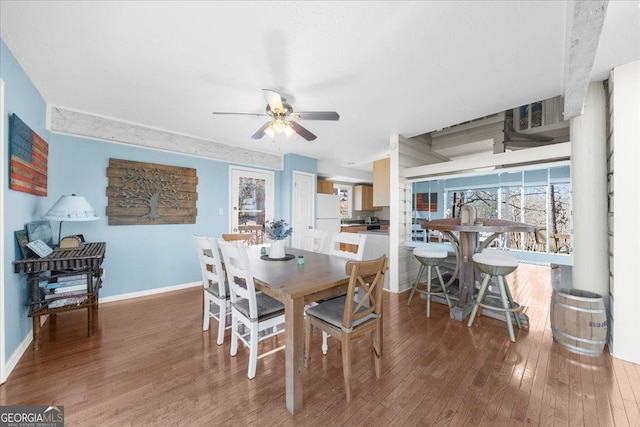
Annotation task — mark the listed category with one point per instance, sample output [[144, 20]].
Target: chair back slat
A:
[[210, 263], [240, 277], [314, 240], [233, 237], [368, 275], [348, 239]]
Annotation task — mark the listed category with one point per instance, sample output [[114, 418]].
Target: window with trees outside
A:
[[540, 197]]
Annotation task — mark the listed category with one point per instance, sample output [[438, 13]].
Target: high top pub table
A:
[[468, 227], [85, 260]]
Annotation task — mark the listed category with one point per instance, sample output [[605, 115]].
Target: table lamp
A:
[[71, 208]]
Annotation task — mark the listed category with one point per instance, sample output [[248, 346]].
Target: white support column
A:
[[589, 194], [625, 292], [394, 212]]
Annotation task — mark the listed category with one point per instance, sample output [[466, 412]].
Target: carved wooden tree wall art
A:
[[149, 193]]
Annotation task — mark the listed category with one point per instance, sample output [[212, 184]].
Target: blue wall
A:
[[139, 257], [23, 99]]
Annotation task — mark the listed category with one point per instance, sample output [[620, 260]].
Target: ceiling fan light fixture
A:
[[269, 132], [278, 125], [288, 130]]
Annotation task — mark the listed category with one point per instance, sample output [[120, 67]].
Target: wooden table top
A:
[[88, 255], [480, 225], [288, 280]]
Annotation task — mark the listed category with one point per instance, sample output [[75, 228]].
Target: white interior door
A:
[[303, 205], [251, 197]]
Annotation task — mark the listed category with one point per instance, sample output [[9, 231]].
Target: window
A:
[[344, 192], [540, 197], [530, 116], [427, 202], [484, 200], [252, 198]]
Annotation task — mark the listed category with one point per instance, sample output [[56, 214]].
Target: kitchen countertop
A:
[[362, 224], [376, 232]]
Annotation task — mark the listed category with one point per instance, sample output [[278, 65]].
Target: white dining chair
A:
[[314, 240], [216, 289], [258, 313], [350, 241]]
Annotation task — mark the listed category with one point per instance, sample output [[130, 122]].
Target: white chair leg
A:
[[429, 291], [480, 298], [512, 304], [446, 292], [234, 335], [222, 319], [253, 351], [505, 304], [205, 321], [325, 344], [415, 285]]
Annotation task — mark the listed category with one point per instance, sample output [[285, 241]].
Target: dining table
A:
[[297, 284], [468, 243]]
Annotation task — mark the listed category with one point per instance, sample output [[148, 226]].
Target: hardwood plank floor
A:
[[149, 363]]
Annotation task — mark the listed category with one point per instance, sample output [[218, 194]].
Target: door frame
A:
[[269, 177], [313, 198], [3, 171]]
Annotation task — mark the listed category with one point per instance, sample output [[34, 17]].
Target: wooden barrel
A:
[[579, 321]]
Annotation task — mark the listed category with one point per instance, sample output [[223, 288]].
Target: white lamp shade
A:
[[72, 208]]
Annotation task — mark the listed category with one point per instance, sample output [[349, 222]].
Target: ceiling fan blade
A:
[[260, 132], [273, 99], [240, 114], [316, 115], [303, 132]]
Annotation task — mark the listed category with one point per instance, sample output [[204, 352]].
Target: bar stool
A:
[[429, 259], [496, 265]]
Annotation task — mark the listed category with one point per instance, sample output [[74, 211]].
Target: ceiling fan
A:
[[282, 114]]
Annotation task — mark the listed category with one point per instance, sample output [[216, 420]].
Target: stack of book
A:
[[67, 290]]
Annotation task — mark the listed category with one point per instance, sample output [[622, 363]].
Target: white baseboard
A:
[[15, 357], [104, 300]]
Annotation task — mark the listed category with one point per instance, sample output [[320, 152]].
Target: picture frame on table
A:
[[22, 239], [39, 230]]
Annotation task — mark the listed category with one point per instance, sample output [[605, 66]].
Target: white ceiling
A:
[[385, 67]]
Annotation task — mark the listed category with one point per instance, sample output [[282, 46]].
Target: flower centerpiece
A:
[[277, 231]]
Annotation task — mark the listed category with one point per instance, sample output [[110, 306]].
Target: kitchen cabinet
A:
[[381, 187], [325, 187], [363, 198]]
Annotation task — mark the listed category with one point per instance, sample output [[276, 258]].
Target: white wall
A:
[[625, 291], [404, 153]]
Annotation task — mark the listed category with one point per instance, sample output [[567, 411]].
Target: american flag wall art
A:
[[28, 164]]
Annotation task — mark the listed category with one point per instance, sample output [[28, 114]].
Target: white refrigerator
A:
[[328, 213]]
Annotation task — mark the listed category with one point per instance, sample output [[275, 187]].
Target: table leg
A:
[[36, 332], [89, 320], [466, 279], [294, 353]]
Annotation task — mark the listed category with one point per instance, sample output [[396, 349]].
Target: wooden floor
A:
[[149, 363]]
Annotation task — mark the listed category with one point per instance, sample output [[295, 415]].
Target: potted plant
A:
[[277, 231]]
